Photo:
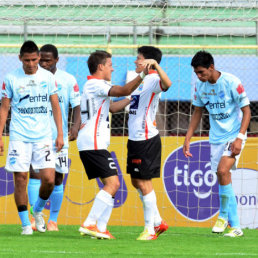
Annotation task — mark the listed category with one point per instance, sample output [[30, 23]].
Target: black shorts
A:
[[144, 158], [98, 163]]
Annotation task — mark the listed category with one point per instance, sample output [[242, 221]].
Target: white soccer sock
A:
[[101, 202], [148, 207], [157, 217], [105, 216]]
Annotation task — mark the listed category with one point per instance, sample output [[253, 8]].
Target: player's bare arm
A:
[[165, 81], [236, 145], [58, 121], [118, 105], [73, 133], [4, 109], [196, 118], [127, 89]]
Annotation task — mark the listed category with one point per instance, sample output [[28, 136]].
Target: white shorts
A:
[[220, 150], [21, 154], [62, 161]]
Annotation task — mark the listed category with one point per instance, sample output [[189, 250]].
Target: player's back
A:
[[95, 102]]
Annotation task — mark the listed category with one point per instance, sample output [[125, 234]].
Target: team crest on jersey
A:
[[140, 87], [43, 84], [21, 90], [221, 94], [134, 101], [31, 83]]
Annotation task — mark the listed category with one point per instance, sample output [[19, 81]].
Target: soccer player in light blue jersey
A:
[[28, 90], [223, 95], [68, 94]]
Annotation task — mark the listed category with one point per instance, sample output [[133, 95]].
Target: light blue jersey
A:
[[29, 96], [68, 93], [223, 101]]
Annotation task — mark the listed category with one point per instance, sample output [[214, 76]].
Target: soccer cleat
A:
[[93, 231], [161, 228], [52, 226], [108, 234], [234, 232], [146, 236], [39, 222], [27, 230], [220, 225], [33, 226]]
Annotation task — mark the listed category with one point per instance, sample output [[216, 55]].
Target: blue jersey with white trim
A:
[[223, 100], [68, 93], [29, 94]]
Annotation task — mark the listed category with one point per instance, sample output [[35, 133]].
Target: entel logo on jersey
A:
[[190, 185]]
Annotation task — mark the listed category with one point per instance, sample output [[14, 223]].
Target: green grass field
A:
[[176, 242]]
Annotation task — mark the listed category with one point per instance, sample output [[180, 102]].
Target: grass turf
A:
[[176, 242]]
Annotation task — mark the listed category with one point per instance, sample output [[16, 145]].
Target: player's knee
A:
[[20, 181], [222, 172]]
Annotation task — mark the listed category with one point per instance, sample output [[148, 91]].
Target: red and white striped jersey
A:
[[143, 108], [95, 131]]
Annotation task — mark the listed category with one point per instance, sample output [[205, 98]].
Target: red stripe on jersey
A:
[[152, 71], [96, 127], [90, 77], [146, 125]]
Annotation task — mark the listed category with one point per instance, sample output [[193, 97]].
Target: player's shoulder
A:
[[45, 73], [229, 78], [64, 74], [17, 73]]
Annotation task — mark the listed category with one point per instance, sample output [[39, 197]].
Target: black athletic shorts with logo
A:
[[144, 158], [98, 163]]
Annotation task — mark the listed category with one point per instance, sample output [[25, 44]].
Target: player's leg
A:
[[56, 197], [18, 159], [99, 163], [43, 159], [33, 192]]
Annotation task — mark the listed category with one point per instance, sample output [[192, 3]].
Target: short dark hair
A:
[[96, 58], [28, 46], [50, 48], [202, 58], [149, 52]]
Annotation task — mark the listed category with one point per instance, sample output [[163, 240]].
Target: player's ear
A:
[[100, 67], [20, 57]]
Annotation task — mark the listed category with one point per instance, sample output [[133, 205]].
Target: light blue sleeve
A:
[[52, 89], [7, 91], [75, 97], [196, 99], [239, 94]]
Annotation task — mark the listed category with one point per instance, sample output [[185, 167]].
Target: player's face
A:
[[204, 74], [47, 61], [30, 62], [107, 69], [138, 62]]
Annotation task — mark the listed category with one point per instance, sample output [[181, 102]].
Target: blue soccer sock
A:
[[225, 193], [56, 199], [39, 205], [24, 217], [232, 213], [33, 190]]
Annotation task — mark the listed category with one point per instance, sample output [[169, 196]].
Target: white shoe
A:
[[220, 225], [39, 222], [27, 230], [234, 232]]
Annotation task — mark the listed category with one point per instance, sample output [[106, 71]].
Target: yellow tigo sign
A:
[[187, 191]]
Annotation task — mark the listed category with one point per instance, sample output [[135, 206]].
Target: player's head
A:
[[203, 64], [29, 56], [48, 57], [147, 52], [100, 64]]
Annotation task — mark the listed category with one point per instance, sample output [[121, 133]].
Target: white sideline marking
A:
[[234, 254]]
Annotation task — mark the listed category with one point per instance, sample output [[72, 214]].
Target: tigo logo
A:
[[190, 185]]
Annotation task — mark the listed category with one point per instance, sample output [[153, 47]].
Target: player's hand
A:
[[149, 63], [1, 147], [59, 143], [73, 133], [186, 149], [236, 147]]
